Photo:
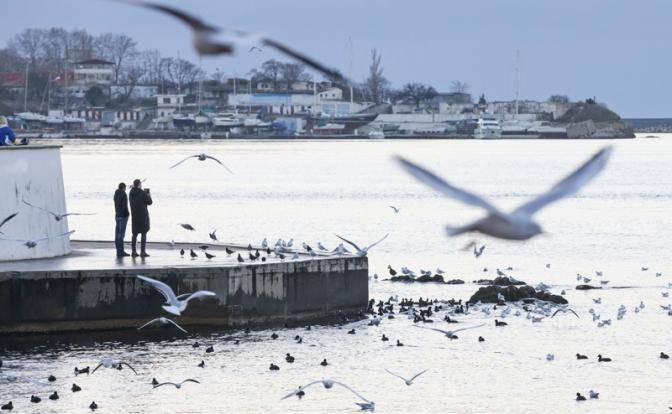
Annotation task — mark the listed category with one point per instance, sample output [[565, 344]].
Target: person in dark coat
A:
[[121, 218], [139, 200]]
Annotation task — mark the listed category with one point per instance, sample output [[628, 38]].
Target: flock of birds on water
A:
[[425, 314]]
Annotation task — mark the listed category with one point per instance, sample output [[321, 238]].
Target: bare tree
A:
[[559, 98], [459, 87], [29, 44], [376, 84], [294, 72], [150, 63], [271, 71], [116, 48], [417, 92], [11, 61], [180, 72]]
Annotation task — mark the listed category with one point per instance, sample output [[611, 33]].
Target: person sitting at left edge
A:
[[7, 136]]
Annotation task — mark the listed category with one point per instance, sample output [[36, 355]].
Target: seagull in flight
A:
[[478, 251], [33, 243], [519, 224], [176, 385], [202, 157], [396, 209], [206, 43], [450, 334], [11, 216], [174, 304], [57, 217], [255, 49], [564, 310], [164, 321], [113, 363], [362, 252], [407, 381], [328, 384]]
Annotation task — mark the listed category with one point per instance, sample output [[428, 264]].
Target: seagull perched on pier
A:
[[57, 217], [202, 157], [205, 39], [112, 363], [174, 304], [362, 252], [11, 216], [519, 224], [450, 334], [33, 243], [328, 384], [407, 381], [164, 321], [176, 385]]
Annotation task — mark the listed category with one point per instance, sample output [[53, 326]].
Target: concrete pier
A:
[[92, 290]]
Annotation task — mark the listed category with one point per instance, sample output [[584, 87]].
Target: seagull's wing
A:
[[293, 393], [332, 74], [393, 374], [54, 237], [221, 163], [128, 365], [149, 323], [11, 216], [199, 294], [176, 325], [192, 156], [164, 289], [349, 242], [468, 327], [352, 391], [417, 375], [439, 184], [78, 214], [14, 240], [165, 383], [194, 22], [189, 380], [372, 245], [568, 185], [183, 296], [94, 370], [564, 311], [434, 329], [38, 207]]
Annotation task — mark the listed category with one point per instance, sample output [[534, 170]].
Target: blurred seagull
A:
[[213, 236], [112, 363], [57, 217], [205, 43], [3, 222], [187, 226], [362, 252], [164, 321], [328, 384], [255, 48], [478, 251], [175, 304], [33, 243], [450, 334], [202, 157], [519, 224], [407, 381], [176, 385], [396, 210], [564, 310]]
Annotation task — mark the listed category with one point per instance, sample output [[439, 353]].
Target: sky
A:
[[615, 50]]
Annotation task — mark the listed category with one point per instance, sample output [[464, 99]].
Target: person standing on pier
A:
[[139, 200], [7, 136], [121, 219]]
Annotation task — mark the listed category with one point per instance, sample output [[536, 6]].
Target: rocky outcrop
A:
[[426, 279], [489, 294], [592, 120], [500, 281], [587, 287]]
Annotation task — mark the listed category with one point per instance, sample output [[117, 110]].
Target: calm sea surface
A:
[[310, 190]]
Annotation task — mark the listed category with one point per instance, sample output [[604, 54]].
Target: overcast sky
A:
[[617, 50]]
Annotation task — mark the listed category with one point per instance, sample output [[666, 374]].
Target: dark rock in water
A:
[[483, 281], [587, 287], [425, 279], [455, 282], [402, 278], [500, 281], [488, 294]]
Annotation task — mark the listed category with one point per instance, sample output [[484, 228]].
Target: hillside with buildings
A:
[[59, 83]]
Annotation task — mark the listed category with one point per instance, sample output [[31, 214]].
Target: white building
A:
[[167, 104], [296, 103], [94, 72], [333, 94], [136, 91]]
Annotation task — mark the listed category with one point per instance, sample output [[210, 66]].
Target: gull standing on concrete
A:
[[206, 43], [362, 252], [57, 217], [407, 381], [202, 157], [3, 222], [450, 334], [175, 305], [164, 321], [519, 224], [33, 243]]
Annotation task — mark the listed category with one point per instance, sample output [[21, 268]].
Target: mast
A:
[[352, 95], [517, 79], [25, 90]]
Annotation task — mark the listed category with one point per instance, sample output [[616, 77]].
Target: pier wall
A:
[[32, 173], [59, 301]]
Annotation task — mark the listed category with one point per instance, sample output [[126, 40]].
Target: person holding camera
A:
[[139, 200]]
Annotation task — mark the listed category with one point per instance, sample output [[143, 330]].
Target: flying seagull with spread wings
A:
[[363, 251], [407, 381], [202, 157], [33, 243], [450, 334], [206, 41], [164, 321], [174, 304], [519, 224], [57, 217], [328, 384]]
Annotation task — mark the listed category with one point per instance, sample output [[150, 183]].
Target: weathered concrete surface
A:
[[35, 297]]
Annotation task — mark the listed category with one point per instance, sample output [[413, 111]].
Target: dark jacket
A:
[[7, 136], [121, 204], [139, 201]]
